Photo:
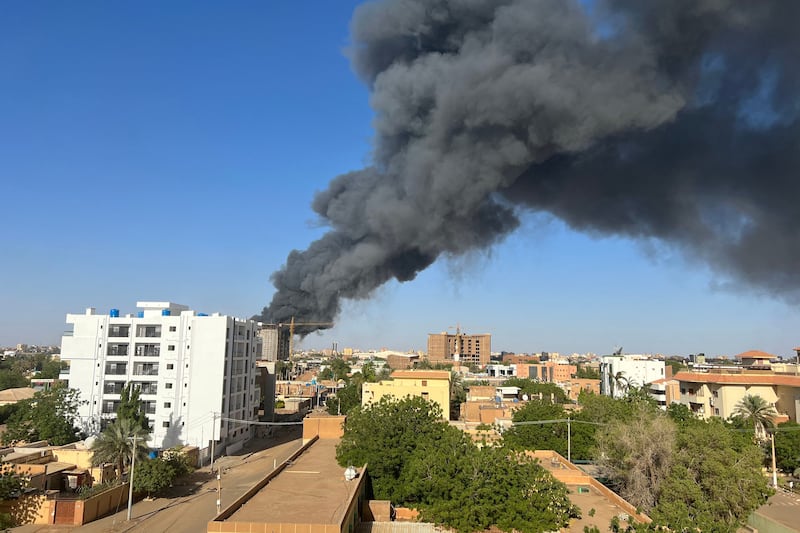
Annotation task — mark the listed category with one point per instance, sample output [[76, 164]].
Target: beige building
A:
[[308, 493], [467, 349], [716, 391], [432, 385]]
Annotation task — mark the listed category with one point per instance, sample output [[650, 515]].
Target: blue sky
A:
[[170, 151]]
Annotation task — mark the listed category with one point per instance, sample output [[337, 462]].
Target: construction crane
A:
[[291, 325]]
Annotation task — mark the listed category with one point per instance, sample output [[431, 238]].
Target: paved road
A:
[[192, 505]]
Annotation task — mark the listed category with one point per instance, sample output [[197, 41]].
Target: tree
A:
[[587, 372], [547, 391], [538, 436], [458, 395], [345, 399], [787, 446], [415, 458], [49, 416], [153, 476], [760, 414], [384, 435], [470, 489], [11, 482], [715, 482], [12, 379], [116, 444], [618, 382], [340, 369], [131, 407], [635, 456]]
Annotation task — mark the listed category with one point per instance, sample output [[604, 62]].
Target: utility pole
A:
[[219, 490], [213, 438], [569, 439], [130, 478], [774, 469]]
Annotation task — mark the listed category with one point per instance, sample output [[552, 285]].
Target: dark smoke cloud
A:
[[674, 119]]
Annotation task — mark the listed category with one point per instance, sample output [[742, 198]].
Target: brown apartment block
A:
[[471, 349], [548, 371]]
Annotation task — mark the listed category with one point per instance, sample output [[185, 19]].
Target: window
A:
[[148, 331], [424, 382], [116, 330], [170, 366], [716, 394], [716, 411], [164, 424], [171, 348], [167, 405], [173, 328], [167, 385]]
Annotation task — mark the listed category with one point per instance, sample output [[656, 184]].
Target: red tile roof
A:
[[739, 379], [755, 354]]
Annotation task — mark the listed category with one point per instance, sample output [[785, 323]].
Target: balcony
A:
[[148, 350], [116, 369], [113, 387], [117, 349], [147, 387], [115, 330], [145, 369], [148, 331]]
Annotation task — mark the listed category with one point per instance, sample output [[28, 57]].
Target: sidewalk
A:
[[191, 503]]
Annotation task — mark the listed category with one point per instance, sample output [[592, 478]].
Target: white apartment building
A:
[[197, 373], [619, 372]]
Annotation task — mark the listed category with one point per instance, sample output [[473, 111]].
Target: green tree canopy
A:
[[131, 407], [715, 481], [384, 434], [116, 444], [152, 476], [345, 399], [538, 436], [547, 391], [49, 416], [787, 446], [758, 412], [417, 459]]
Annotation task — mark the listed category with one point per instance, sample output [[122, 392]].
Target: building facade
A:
[[716, 392], [196, 373], [620, 372], [467, 349], [432, 385], [274, 342]]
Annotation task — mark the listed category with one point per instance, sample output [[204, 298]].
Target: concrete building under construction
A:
[[466, 349], [274, 342]]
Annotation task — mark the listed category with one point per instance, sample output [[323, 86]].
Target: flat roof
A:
[[738, 379], [310, 490], [421, 374]]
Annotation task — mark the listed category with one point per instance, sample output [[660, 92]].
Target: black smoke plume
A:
[[671, 119]]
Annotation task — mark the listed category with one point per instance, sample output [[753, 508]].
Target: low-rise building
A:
[[620, 372], [432, 385], [715, 391]]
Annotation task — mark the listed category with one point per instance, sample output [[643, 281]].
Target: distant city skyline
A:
[[171, 152]]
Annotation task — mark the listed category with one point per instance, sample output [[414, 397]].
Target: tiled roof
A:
[[755, 354], [421, 374], [739, 379], [15, 395]]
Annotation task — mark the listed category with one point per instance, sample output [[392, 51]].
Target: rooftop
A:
[[739, 379], [421, 374], [312, 486]]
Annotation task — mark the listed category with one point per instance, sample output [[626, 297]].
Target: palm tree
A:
[[618, 381], [115, 444], [755, 409]]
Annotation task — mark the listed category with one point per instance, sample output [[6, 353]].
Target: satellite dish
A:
[[350, 473], [525, 397]]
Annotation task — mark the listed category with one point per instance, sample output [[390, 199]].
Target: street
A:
[[192, 504]]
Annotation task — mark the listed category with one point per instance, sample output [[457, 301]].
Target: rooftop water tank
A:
[[114, 313], [140, 314], [165, 312]]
